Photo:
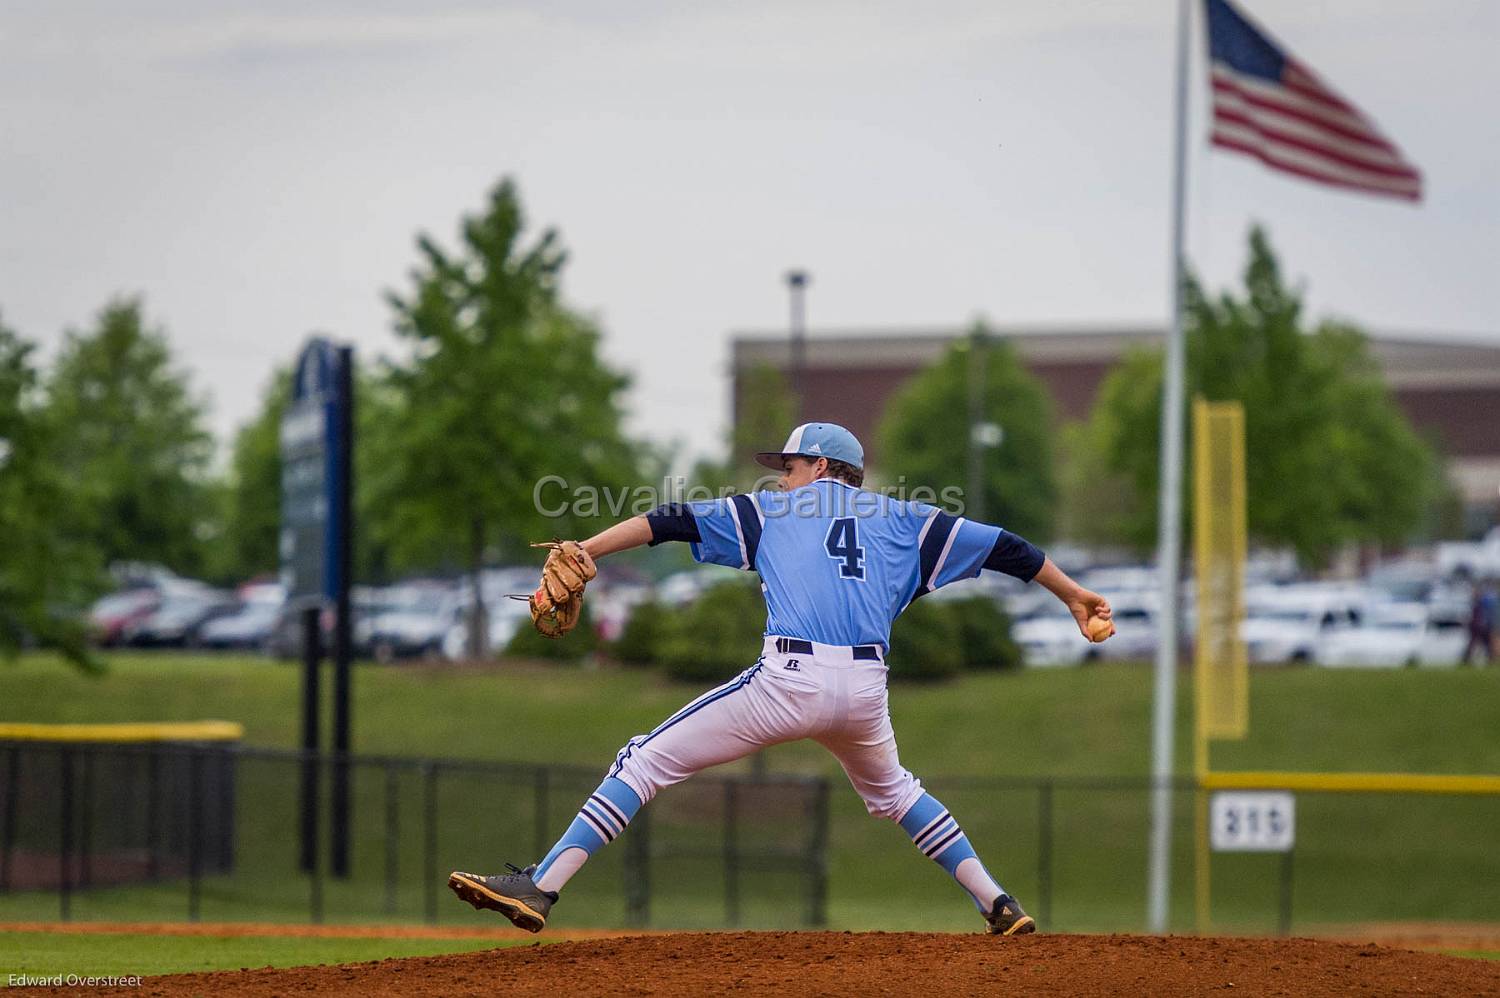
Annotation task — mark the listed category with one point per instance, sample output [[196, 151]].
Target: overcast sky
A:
[[258, 171]]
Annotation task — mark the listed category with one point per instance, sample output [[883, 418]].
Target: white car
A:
[[1136, 624], [410, 621], [612, 604], [681, 588], [1119, 579], [1395, 635], [1288, 623], [990, 585], [503, 615], [1050, 636], [1477, 560], [251, 625]]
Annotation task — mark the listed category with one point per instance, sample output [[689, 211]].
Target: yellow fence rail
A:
[[1362, 783], [114, 734]]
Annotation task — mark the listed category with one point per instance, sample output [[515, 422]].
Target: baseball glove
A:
[[558, 601]]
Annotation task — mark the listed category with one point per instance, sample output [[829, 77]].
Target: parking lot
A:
[[1424, 608]]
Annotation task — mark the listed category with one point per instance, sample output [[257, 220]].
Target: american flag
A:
[[1270, 106]]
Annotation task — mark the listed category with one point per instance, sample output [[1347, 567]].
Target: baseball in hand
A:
[[1099, 629]]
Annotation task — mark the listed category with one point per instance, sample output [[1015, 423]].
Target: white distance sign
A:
[[1252, 821]]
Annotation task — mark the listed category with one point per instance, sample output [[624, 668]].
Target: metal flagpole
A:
[[796, 280], [1169, 528]]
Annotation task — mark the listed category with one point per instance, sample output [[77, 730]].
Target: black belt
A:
[[862, 653]]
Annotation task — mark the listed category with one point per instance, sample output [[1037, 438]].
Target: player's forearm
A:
[[623, 536], [1057, 582]]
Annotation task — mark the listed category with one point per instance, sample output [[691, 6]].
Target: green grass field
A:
[[1080, 722], [1383, 857]]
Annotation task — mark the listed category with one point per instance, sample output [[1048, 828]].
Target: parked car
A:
[[1287, 623], [1048, 636], [1118, 581], [1027, 602], [503, 614], [1407, 580], [1397, 634], [407, 621], [682, 588], [111, 615], [182, 610], [1476, 560], [1001, 588], [611, 606], [503, 617], [1136, 621], [250, 626], [285, 640]]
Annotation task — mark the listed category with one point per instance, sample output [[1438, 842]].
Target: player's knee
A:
[[893, 799], [634, 767]]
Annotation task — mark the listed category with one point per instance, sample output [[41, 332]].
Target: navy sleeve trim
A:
[[930, 553], [673, 521], [749, 519], [1015, 556]]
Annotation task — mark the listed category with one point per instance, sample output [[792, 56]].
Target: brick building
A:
[[1450, 388]]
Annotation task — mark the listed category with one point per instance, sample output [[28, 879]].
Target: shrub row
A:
[[579, 643], [719, 634]]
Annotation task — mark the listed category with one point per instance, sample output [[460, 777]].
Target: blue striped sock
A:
[[601, 818], [936, 833]]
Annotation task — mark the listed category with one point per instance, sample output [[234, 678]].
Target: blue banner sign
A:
[[312, 475]]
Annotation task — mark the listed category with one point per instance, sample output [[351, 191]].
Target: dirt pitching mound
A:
[[831, 963]]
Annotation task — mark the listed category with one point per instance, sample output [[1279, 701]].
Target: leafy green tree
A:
[[1330, 458], [48, 570], [1094, 500], [132, 442], [504, 410], [1112, 498], [377, 401], [250, 544], [925, 434]]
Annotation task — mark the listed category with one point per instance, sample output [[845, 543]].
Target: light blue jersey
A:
[[838, 563]]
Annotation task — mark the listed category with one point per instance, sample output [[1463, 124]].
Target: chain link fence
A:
[[216, 832], [156, 832]]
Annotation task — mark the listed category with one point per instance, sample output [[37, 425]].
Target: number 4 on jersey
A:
[[842, 544]]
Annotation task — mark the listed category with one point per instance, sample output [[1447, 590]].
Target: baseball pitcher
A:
[[837, 565]]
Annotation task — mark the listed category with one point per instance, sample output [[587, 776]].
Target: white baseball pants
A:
[[828, 696]]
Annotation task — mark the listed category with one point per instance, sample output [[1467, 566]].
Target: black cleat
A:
[[1008, 919], [514, 895]]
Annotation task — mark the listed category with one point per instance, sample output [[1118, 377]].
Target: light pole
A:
[[796, 282], [983, 434]]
